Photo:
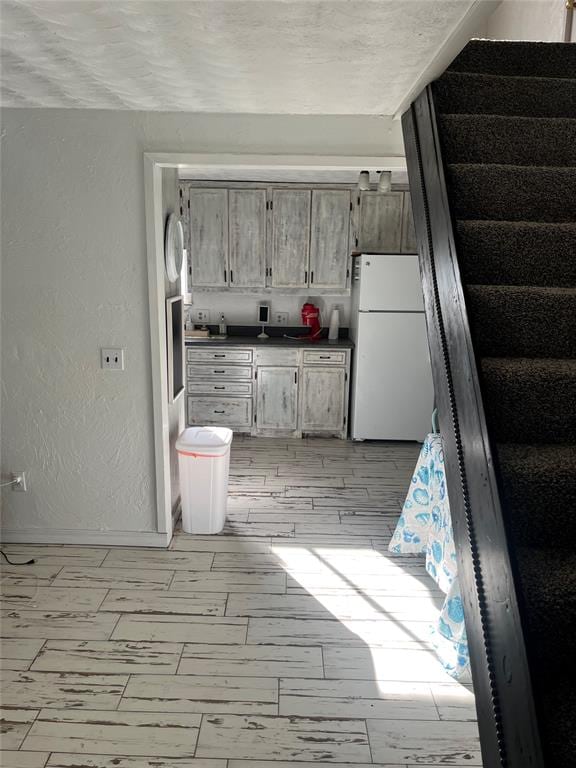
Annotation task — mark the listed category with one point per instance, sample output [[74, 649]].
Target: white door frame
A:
[[154, 162]]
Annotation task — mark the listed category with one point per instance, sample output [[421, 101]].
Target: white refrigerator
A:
[[392, 396]]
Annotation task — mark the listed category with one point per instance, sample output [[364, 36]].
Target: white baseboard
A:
[[88, 538]]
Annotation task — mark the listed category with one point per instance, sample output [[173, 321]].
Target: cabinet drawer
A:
[[223, 411], [195, 386], [217, 354], [277, 356], [324, 357], [217, 371]]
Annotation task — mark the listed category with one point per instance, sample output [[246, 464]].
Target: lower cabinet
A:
[[323, 400], [269, 391], [277, 398]]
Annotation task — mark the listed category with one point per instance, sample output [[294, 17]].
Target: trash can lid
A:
[[209, 441]]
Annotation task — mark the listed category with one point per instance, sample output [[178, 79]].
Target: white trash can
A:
[[204, 462]]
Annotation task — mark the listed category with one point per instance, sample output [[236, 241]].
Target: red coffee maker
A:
[[311, 318]]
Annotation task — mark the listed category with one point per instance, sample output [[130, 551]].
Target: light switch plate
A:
[[112, 359], [280, 318], [201, 315]]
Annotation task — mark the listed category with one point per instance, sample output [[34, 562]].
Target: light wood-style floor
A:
[[292, 638]]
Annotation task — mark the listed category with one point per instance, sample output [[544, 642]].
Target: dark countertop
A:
[[278, 341]]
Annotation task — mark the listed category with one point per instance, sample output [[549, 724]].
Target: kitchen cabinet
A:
[[409, 244], [269, 390], [329, 239], [208, 221], [290, 216], [277, 398], [247, 233], [380, 222], [323, 403]]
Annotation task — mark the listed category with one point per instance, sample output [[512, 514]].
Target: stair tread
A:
[[516, 58], [508, 140], [522, 321], [479, 93], [487, 252], [512, 192]]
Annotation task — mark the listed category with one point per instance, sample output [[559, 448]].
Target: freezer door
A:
[[392, 395], [390, 283]]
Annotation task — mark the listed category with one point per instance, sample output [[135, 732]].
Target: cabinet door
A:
[[329, 232], [247, 228], [409, 244], [277, 398], [290, 238], [209, 237], [323, 399], [380, 226]]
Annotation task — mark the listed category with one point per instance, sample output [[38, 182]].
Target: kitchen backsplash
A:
[[241, 309]]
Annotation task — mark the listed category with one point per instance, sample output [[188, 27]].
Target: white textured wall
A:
[[527, 20], [74, 279]]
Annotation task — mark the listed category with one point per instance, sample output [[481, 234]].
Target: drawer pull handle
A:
[[219, 371], [220, 355], [219, 411], [219, 387], [325, 357]]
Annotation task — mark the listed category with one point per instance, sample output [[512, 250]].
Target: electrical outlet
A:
[[112, 359], [19, 481], [200, 315], [280, 318]]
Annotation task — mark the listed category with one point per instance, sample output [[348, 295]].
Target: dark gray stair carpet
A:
[[529, 400], [507, 128], [549, 141], [538, 484], [474, 94], [512, 192], [517, 253], [523, 321], [524, 59]]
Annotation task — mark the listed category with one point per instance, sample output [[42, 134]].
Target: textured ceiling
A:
[[244, 56]]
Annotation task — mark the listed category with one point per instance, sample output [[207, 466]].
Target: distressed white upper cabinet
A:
[[277, 398], [208, 221], [380, 222], [329, 239], [290, 238], [409, 244], [247, 228], [323, 404]]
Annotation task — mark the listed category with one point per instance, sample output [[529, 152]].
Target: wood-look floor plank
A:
[[201, 693], [18, 654], [283, 738], [114, 578], [19, 759], [185, 603], [109, 657], [181, 629], [56, 625], [30, 597], [252, 660], [14, 725], [183, 542], [59, 555], [402, 665], [376, 699], [61, 690], [114, 733], [58, 760], [424, 741], [273, 582]]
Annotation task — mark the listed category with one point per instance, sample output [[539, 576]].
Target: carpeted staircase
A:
[[507, 125]]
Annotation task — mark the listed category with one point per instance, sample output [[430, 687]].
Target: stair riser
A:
[[517, 59], [531, 402], [509, 141], [462, 93], [503, 253], [520, 322], [512, 193]]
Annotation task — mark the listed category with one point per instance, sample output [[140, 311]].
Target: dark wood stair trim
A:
[[505, 706]]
